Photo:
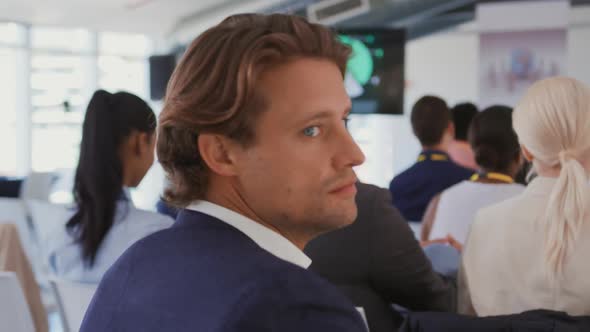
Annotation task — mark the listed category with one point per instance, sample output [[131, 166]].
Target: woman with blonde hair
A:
[[529, 252]]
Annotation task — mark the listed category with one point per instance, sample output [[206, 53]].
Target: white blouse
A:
[[458, 205], [131, 224], [504, 261]]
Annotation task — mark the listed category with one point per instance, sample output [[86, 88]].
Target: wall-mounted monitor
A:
[[161, 68], [375, 71]]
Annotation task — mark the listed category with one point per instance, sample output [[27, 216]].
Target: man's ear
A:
[[527, 154], [519, 159], [143, 143], [134, 143], [216, 152], [451, 130]]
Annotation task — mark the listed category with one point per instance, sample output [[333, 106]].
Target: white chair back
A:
[[73, 299], [37, 185], [14, 311], [47, 218]]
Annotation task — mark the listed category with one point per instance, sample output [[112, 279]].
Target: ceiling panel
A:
[[155, 17]]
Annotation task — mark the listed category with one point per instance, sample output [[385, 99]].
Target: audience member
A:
[[459, 149], [528, 321], [525, 174], [117, 149], [530, 252], [254, 143], [497, 153], [434, 171], [377, 261]]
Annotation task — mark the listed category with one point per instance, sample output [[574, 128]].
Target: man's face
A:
[[297, 175]]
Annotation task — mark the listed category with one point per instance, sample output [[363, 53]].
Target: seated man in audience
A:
[[459, 149], [377, 261], [434, 171], [254, 143]]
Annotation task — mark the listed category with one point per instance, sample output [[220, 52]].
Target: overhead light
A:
[[333, 11]]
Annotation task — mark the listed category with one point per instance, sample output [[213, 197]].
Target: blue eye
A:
[[311, 131]]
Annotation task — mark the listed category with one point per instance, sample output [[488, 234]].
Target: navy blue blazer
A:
[[412, 189], [205, 275]]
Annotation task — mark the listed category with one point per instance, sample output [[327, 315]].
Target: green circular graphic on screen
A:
[[360, 63]]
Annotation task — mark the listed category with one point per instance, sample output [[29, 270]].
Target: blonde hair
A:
[[553, 122]]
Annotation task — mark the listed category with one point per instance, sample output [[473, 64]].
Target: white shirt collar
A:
[[126, 196], [266, 238]]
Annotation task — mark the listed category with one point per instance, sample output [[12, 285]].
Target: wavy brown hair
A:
[[214, 89]]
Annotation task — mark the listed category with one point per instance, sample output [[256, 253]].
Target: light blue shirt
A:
[[131, 224]]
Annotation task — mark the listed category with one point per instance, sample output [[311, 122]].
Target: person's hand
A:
[[425, 244], [454, 243], [448, 240]]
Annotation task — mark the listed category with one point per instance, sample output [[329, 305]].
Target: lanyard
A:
[[433, 157], [493, 176]]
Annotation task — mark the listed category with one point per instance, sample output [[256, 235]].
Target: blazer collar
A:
[[264, 237]]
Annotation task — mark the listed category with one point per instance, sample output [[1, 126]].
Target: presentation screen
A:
[[375, 71]]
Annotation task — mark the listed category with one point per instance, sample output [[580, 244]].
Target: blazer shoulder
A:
[[294, 299], [372, 192]]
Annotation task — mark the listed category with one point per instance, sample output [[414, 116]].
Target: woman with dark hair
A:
[[497, 154], [117, 150]]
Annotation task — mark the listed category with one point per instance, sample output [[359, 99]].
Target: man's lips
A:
[[346, 188]]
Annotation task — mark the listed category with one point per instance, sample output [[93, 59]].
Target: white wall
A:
[[443, 64], [579, 52], [384, 141], [579, 44], [446, 63]]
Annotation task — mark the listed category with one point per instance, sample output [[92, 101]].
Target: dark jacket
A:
[[376, 261], [529, 321], [412, 189], [204, 275]]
